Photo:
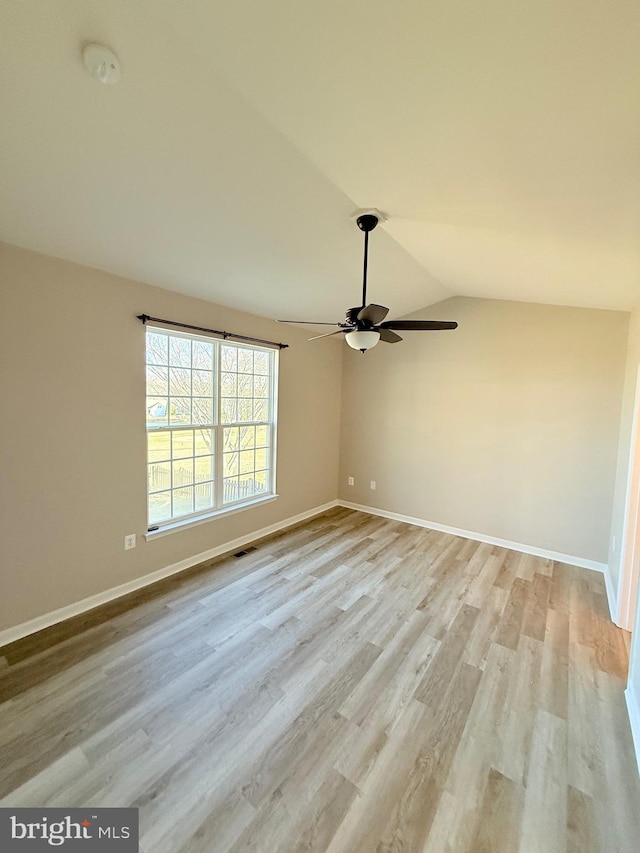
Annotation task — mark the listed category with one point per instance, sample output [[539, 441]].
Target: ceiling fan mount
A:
[[367, 222], [364, 324]]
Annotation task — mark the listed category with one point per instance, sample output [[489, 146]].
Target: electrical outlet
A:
[[373, 484], [351, 481], [129, 541]]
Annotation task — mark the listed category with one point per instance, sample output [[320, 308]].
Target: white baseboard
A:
[[612, 598], [17, 632], [633, 708], [481, 537]]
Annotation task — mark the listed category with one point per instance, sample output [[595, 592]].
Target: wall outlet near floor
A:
[[351, 481], [373, 484], [129, 541]]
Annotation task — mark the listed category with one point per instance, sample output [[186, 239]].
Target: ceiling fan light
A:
[[362, 340]]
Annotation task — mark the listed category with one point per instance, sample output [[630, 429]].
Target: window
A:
[[211, 415]]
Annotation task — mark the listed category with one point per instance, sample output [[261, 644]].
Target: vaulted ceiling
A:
[[502, 140]]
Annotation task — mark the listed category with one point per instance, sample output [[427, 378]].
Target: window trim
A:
[[185, 523], [220, 508]]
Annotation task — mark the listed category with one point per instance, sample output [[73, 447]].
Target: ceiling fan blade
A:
[[308, 322], [389, 337], [328, 335], [418, 325], [373, 313]]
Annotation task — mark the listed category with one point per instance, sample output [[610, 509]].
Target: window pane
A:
[[157, 411], [202, 355], [182, 501], [159, 476], [245, 409], [229, 410], [159, 446], [262, 481], [157, 380], [261, 386], [245, 361], [202, 383], [203, 441], [159, 507], [203, 468], [157, 348], [202, 410], [182, 443], [245, 385], [230, 438], [261, 362], [262, 436], [247, 458], [230, 489], [180, 410], [260, 410], [229, 385], [180, 382], [261, 459], [182, 472], [229, 358], [247, 486], [230, 464], [180, 352], [247, 437], [203, 496]]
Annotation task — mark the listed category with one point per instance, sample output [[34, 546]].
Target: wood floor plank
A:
[[413, 814], [365, 822], [221, 827], [582, 827], [355, 684], [584, 762], [485, 579], [511, 623], [560, 587], [268, 772], [546, 788], [448, 658], [534, 620], [486, 628], [497, 829], [554, 670], [517, 715], [364, 697], [508, 568]]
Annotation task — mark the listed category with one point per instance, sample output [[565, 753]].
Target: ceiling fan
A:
[[365, 325]]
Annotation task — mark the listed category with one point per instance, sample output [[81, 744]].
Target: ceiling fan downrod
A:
[[367, 222]]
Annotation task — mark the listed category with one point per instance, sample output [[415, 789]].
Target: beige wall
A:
[[507, 426], [73, 431]]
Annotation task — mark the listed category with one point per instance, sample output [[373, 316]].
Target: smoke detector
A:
[[101, 63]]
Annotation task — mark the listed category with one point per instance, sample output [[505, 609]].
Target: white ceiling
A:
[[502, 139]]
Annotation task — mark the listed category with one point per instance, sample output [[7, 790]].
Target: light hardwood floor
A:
[[352, 685]]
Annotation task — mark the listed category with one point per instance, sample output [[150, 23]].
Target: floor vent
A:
[[246, 551]]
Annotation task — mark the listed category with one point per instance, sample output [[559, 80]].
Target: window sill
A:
[[175, 526]]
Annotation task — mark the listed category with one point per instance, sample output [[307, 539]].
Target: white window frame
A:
[[220, 507]]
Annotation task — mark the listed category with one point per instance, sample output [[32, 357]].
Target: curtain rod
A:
[[224, 335]]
